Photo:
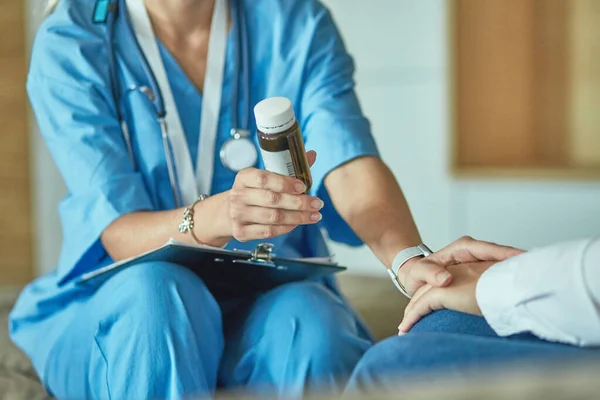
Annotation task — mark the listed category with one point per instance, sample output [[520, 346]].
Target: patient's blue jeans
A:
[[449, 344]]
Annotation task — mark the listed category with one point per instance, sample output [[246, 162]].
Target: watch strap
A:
[[402, 258]]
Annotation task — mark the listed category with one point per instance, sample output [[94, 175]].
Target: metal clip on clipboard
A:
[[262, 254]]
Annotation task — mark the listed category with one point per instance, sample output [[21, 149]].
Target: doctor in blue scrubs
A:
[[154, 330]]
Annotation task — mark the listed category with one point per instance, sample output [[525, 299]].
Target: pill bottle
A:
[[280, 139]]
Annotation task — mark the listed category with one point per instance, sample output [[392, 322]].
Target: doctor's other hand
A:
[[263, 205], [460, 295], [433, 270]]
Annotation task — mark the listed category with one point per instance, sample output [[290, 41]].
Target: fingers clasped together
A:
[[263, 205], [448, 278]]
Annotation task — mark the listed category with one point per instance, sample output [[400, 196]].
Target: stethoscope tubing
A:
[[152, 93], [241, 52], [243, 39], [170, 164], [157, 96]]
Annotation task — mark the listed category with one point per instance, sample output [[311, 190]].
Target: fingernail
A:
[[316, 217], [443, 276], [401, 333], [300, 187], [317, 204]]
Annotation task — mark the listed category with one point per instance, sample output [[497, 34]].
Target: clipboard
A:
[[228, 272]]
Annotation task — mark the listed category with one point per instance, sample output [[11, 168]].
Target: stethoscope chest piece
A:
[[239, 152]]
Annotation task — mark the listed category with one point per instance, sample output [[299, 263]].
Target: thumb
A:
[[429, 272], [312, 157]]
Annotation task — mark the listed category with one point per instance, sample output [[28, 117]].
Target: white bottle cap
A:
[[274, 115]]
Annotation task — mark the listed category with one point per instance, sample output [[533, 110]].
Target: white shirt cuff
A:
[[495, 297]]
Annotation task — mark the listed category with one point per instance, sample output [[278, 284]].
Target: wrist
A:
[[407, 266], [216, 229]]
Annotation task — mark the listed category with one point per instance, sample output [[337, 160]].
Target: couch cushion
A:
[[376, 300], [18, 379]]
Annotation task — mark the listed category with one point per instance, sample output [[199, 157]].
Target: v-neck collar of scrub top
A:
[[189, 103], [187, 97], [188, 178]]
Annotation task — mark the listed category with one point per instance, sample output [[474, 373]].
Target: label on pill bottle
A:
[[279, 162]]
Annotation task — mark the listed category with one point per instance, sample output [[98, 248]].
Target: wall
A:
[[400, 53], [403, 83], [401, 49], [47, 185]]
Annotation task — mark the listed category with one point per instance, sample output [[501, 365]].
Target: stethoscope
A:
[[239, 151]]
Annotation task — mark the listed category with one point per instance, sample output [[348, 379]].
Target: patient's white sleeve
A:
[[552, 292]]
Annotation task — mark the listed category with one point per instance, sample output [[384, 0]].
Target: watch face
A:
[[239, 154]]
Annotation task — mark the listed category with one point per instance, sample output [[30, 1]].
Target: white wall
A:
[[401, 53], [48, 187]]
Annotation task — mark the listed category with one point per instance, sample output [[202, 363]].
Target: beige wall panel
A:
[[494, 70], [585, 105], [551, 82], [16, 266]]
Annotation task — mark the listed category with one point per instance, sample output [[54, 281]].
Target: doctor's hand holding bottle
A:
[[260, 205], [263, 204]]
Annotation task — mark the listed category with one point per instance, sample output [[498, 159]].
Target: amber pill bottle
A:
[[280, 139]]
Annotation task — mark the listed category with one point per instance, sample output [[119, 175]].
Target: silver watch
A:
[[402, 258]]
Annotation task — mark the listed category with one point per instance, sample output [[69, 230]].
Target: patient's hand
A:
[[458, 296], [466, 250]]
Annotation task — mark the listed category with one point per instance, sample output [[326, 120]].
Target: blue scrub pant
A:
[[450, 345], [155, 331]]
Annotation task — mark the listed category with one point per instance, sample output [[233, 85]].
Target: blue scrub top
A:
[[295, 51]]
